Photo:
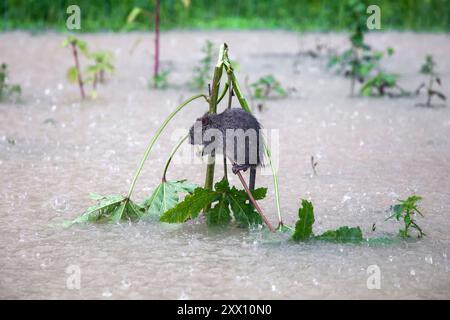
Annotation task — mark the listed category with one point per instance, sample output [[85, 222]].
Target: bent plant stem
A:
[[172, 153], [255, 204], [156, 136], [77, 65]]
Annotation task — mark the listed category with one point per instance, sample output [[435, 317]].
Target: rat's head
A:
[[199, 128]]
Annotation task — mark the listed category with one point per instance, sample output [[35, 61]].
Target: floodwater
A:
[[55, 150]]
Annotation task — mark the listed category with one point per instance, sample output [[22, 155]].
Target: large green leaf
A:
[[166, 196], [243, 211], [191, 206], [303, 227], [111, 209]]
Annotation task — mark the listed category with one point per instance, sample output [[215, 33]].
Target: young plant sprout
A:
[[428, 70], [103, 63], [159, 79], [7, 90], [202, 71], [74, 73], [264, 88], [352, 62], [407, 210]]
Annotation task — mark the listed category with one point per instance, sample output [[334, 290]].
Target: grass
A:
[[300, 15]]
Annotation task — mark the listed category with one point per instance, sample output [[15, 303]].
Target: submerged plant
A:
[[102, 64], [407, 210], [427, 69], [202, 72], [158, 78], [266, 87], [304, 228], [74, 73], [7, 90]]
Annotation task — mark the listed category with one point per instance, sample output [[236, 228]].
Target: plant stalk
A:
[[209, 179], [156, 136], [172, 153], [77, 65], [255, 204]]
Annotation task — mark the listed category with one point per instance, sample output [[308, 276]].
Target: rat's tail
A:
[[252, 179]]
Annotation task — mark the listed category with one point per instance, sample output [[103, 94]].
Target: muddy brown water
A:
[[55, 150]]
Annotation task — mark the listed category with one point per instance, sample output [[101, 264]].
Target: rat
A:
[[235, 133]]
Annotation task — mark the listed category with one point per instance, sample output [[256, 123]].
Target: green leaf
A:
[[166, 196], [134, 14], [243, 211], [191, 206], [220, 213], [72, 75], [110, 209], [342, 235], [303, 227]]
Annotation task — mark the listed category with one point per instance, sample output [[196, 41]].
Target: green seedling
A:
[[202, 72], [160, 80], [304, 229], [74, 74], [427, 69], [352, 62], [132, 16], [407, 210], [266, 87], [8, 90], [102, 64]]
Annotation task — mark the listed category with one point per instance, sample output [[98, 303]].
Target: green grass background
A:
[[300, 15]]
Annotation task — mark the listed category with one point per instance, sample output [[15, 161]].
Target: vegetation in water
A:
[[427, 69], [225, 204], [7, 90], [74, 74], [101, 63], [407, 210], [304, 228], [265, 88], [159, 79]]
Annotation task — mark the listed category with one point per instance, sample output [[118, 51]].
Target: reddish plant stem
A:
[[77, 65], [156, 62], [244, 184]]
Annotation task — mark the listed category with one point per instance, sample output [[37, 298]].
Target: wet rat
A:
[[235, 133]]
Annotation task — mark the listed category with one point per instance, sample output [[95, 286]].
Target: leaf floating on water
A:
[[111, 209], [166, 196], [342, 235]]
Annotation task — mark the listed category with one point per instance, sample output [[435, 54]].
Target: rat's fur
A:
[[245, 152]]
